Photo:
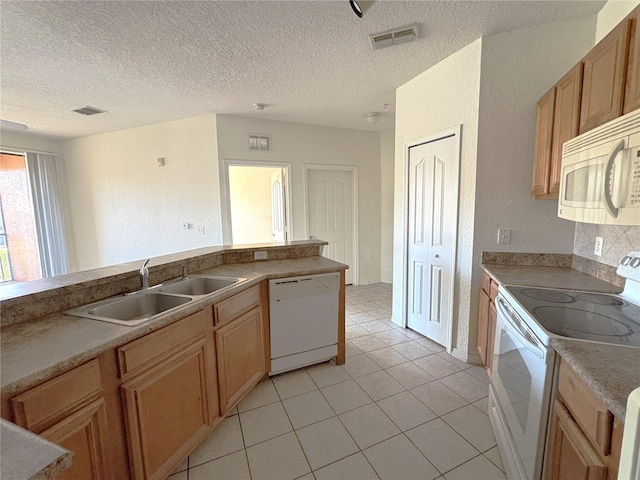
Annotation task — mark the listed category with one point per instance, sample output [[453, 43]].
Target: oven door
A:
[[522, 376]]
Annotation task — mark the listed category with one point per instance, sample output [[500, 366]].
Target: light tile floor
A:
[[400, 408]]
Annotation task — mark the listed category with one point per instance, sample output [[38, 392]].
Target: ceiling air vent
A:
[[393, 37], [89, 110]]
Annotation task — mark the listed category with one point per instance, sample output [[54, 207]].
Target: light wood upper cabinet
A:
[[566, 121], [604, 79], [632, 91], [70, 410], [544, 136], [170, 395]]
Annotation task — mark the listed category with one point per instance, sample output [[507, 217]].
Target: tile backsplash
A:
[[618, 240]]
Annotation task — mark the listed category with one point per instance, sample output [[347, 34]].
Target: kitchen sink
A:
[[143, 306], [198, 285], [131, 309]]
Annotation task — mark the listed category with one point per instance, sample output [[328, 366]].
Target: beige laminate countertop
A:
[[33, 351], [611, 371], [26, 456], [549, 277]]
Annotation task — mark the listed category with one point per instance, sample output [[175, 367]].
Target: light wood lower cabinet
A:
[[487, 317], [70, 410], [171, 404], [585, 439], [241, 357]]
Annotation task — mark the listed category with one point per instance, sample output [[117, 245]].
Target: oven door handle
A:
[[528, 338]]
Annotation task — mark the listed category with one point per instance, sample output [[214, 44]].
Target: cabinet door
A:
[[544, 134], [241, 358], [483, 325], [632, 90], [572, 456], [566, 120], [84, 433], [491, 337], [604, 79], [168, 412]]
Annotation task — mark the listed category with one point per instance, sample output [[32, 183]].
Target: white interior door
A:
[[330, 213], [278, 214], [432, 222]]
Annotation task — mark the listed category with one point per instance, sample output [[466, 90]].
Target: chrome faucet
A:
[[184, 271], [144, 274]]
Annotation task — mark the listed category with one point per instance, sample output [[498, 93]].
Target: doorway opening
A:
[[258, 203], [19, 251]]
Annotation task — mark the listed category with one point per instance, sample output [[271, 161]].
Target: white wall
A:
[[301, 144], [387, 158], [610, 15], [444, 96], [491, 87], [250, 195], [124, 207]]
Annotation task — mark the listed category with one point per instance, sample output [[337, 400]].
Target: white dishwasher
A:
[[303, 315]]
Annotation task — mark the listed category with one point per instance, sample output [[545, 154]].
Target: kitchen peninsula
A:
[[111, 370]]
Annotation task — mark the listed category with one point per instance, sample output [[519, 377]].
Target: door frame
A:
[[354, 210], [225, 194], [455, 131]]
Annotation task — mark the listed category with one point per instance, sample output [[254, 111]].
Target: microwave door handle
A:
[[606, 182]]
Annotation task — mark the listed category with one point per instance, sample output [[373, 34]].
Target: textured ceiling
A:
[[309, 61]]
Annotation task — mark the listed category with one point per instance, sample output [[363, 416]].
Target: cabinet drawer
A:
[[238, 304], [589, 412], [485, 281], [42, 406], [140, 355]]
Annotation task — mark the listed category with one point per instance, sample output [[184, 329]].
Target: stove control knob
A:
[[625, 260], [635, 262]]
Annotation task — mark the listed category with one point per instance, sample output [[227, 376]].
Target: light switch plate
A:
[[598, 248], [504, 236], [200, 229]]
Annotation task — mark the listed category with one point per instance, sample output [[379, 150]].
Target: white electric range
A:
[[524, 362]]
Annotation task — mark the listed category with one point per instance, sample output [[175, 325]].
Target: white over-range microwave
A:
[[600, 179]]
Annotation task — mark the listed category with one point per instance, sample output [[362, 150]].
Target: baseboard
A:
[[472, 358]]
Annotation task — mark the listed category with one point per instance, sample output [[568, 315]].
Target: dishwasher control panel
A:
[[284, 288]]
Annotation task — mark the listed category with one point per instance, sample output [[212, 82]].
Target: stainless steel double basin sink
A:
[[148, 304]]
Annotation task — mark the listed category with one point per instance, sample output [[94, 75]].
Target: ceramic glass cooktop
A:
[[598, 317]]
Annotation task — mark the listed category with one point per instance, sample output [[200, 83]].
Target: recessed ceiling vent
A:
[[394, 37], [89, 110]]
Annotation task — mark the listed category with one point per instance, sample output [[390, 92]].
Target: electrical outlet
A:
[[504, 236], [186, 225], [260, 255], [597, 251], [200, 229]]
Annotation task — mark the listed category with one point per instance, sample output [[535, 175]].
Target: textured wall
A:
[[124, 207], [301, 144], [610, 15], [387, 152], [444, 96]]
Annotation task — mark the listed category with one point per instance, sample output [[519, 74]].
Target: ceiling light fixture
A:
[[373, 117], [89, 110], [7, 125], [356, 7], [259, 106]]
